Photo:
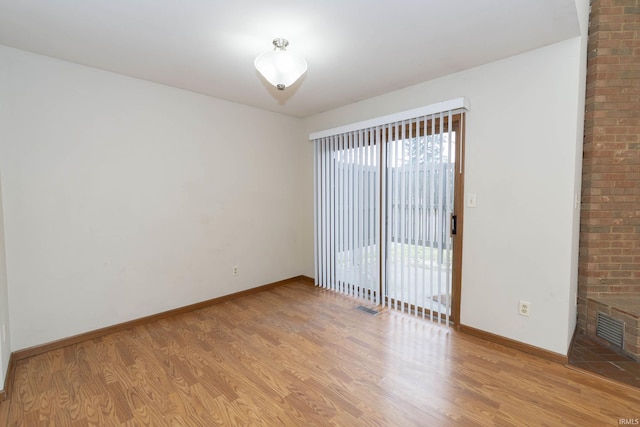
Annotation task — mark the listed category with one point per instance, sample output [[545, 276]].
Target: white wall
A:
[[123, 198], [523, 138], [583, 17], [5, 341]]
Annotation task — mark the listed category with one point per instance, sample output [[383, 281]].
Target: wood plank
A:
[[4, 412], [300, 355]]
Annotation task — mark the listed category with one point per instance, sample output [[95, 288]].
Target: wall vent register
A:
[[610, 329]]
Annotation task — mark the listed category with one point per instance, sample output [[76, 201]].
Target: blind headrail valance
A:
[[453, 105]]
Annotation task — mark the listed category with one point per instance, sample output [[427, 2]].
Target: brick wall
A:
[[610, 217]]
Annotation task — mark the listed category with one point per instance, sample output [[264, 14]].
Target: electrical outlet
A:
[[524, 308], [235, 270]]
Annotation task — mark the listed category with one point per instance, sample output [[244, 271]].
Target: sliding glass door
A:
[[420, 220], [387, 214]]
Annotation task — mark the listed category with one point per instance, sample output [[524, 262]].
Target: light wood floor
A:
[[300, 356]]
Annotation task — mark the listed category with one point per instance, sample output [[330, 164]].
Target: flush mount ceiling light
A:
[[279, 67]]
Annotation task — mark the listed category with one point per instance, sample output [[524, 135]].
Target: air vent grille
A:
[[610, 329], [367, 310]]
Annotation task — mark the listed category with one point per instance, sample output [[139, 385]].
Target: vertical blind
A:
[[383, 195], [347, 217]]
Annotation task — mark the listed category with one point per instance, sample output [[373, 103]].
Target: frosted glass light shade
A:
[[280, 68]]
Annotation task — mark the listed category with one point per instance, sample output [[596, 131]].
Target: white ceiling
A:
[[355, 49]]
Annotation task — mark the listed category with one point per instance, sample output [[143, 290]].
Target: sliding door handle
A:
[[454, 224]]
